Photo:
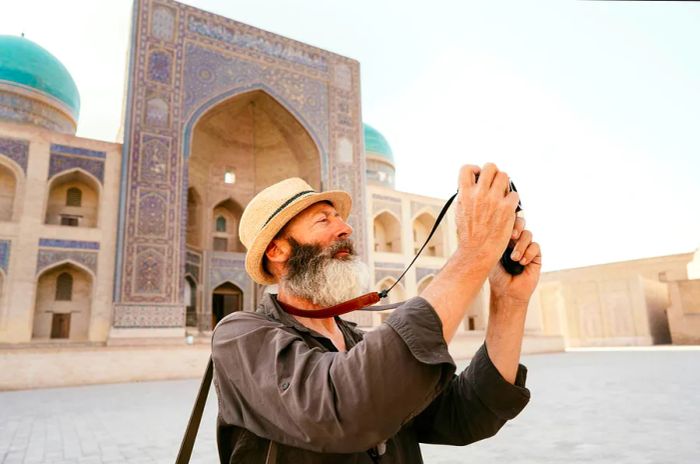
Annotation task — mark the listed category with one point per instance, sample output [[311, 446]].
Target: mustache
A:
[[341, 245], [310, 257]]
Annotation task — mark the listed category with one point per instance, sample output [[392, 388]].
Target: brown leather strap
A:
[[342, 308], [183, 456], [271, 457]]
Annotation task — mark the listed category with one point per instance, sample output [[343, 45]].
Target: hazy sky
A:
[[593, 108]]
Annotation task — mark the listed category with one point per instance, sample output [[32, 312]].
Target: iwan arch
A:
[[136, 243], [239, 146]]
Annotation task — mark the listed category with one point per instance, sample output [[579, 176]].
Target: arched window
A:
[[387, 233], [74, 197], [422, 226], [64, 287], [221, 224]]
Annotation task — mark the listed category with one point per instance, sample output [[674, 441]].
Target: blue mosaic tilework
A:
[[61, 163], [16, 150], [47, 258], [68, 150], [280, 48], [4, 254], [76, 244]]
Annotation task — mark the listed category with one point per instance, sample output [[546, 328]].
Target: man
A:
[[304, 390]]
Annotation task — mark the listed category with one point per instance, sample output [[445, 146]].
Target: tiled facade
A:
[[139, 273]]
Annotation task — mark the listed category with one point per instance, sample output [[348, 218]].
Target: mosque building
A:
[[136, 243]]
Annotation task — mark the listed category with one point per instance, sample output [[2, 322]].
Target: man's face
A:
[[322, 266], [319, 224]]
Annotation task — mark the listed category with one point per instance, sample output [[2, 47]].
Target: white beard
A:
[[336, 281]]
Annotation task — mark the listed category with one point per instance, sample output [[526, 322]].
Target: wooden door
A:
[[60, 325]]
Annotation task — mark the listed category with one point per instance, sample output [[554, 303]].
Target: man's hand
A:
[[518, 289], [485, 213]]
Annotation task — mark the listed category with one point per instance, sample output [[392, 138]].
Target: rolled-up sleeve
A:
[[474, 405], [272, 383]]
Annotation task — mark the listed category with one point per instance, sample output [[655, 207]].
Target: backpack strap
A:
[[183, 456]]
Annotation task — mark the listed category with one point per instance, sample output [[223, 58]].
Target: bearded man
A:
[[317, 390]]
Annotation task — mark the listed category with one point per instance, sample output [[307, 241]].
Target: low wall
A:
[[65, 365], [27, 368], [465, 344]]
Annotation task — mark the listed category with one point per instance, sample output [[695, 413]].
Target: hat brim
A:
[[340, 200]]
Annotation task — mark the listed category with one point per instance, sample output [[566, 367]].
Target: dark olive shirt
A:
[[395, 387]]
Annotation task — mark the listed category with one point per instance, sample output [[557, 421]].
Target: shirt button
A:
[[284, 385]]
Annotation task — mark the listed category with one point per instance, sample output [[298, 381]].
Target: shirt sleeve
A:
[[272, 383], [474, 405]]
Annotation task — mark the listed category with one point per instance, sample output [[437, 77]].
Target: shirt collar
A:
[[269, 307]]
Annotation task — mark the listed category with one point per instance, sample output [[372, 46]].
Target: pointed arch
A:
[[421, 224], [227, 297], [386, 232], [11, 180], [58, 211], [226, 213], [56, 316], [210, 104]]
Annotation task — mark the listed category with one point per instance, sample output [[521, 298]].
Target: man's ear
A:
[[278, 251]]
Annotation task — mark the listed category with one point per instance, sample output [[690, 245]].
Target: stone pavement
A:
[[630, 406]]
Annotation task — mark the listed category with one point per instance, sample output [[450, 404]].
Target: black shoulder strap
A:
[[183, 456], [384, 293]]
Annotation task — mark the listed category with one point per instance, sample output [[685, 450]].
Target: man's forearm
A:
[[504, 335], [454, 289]]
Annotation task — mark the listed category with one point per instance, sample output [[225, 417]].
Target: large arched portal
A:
[[239, 147], [227, 298], [243, 145], [63, 301]]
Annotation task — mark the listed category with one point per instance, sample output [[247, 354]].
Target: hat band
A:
[[285, 204]]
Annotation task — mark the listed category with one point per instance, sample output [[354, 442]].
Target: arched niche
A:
[[422, 225], [9, 183], [194, 218], [73, 200], [424, 282], [226, 299], [63, 303], [226, 216], [387, 233], [191, 319]]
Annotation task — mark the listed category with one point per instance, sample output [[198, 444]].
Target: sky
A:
[[592, 108]]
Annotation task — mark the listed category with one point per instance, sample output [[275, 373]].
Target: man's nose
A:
[[344, 229]]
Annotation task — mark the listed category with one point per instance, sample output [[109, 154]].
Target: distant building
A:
[[135, 242]]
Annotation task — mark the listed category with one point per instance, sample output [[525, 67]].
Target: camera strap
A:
[[366, 301]]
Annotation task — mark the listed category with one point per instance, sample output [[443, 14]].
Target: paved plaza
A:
[[629, 406]]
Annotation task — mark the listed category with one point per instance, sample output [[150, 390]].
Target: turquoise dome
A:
[[25, 63], [376, 143]]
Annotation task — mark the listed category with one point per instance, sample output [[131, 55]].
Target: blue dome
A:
[[376, 144], [24, 63]]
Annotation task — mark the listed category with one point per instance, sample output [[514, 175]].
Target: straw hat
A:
[[271, 209]]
